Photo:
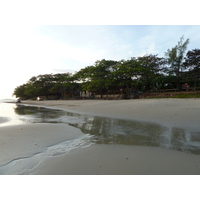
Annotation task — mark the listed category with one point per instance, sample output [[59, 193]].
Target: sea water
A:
[[7, 114]]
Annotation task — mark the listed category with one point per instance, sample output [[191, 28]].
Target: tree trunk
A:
[[178, 80]]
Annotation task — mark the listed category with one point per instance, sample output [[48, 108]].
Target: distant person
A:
[[39, 98], [18, 100]]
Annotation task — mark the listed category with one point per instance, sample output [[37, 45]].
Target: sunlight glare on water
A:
[[7, 114]]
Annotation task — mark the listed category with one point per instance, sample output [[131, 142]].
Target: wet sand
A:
[[3, 119], [124, 159], [167, 112], [102, 159], [21, 142]]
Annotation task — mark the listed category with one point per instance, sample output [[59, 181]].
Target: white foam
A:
[[27, 165]]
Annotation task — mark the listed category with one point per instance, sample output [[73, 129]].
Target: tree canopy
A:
[[175, 58], [137, 74]]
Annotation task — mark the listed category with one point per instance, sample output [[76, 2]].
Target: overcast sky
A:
[[28, 49]]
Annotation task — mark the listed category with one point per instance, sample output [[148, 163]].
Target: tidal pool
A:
[[108, 130]]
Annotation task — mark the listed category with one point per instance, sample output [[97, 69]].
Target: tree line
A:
[[130, 77]]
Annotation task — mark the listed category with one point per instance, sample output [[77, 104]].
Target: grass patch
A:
[[185, 96]]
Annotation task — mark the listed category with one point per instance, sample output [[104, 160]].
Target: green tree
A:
[[97, 77], [39, 85], [20, 92], [31, 89], [83, 76], [101, 75], [124, 75], [151, 66], [61, 83], [192, 63], [175, 57]]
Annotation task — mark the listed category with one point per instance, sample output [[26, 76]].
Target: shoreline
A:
[[167, 112], [117, 159], [19, 145], [149, 160]]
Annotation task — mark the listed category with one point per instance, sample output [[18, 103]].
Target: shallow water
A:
[[27, 165], [7, 114], [106, 130]]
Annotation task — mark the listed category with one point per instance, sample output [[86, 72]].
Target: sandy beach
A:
[[108, 159], [23, 147], [168, 112], [121, 160]]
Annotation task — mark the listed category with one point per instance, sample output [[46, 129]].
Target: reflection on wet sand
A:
[[116, 131], [126, 132]]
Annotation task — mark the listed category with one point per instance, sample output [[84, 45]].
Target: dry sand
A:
[[122, 159]]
